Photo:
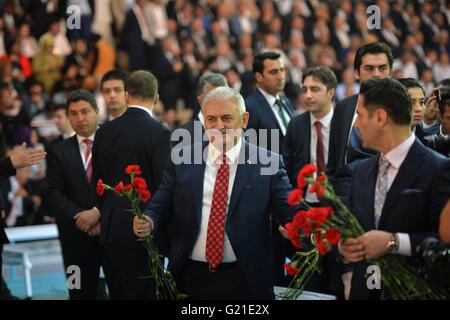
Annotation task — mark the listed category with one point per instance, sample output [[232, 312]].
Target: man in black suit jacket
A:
[[133, 138], [307, 141], [71, 198], [192, 196], [270, 112], [371, 61], [20, 157], [194, 130], [397, 196]]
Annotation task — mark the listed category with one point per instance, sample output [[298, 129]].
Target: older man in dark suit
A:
[[218, 208]]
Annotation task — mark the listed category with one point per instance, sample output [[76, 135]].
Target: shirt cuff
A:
[[404, 244]]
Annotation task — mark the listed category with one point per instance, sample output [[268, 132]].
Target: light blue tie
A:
[[381, 189]]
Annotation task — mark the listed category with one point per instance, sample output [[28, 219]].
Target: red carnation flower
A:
[[133, 168], [321, 178], [144, 195], [301, 182], [139, 184], [118, 188], [291, 270], [333, 236], [308, 170], [100, 187], [128, 187], [295, 197]]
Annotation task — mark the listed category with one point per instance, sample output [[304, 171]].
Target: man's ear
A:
[[382, 117], [245, 118], [156, 99], [258, 76]]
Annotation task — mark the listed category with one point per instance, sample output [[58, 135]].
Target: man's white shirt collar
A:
[[397, 155], [232, 154]]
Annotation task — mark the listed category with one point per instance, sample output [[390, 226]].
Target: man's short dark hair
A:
[[390, 95], [143, 85], [115, 74], [258, 60], [323, 74], [373, 48], [213, 79], [412, 83], [81, 95]]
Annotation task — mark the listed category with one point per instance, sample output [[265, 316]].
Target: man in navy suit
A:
[[397, 196], [269, 115], [70, 195], [371, 61], [307, 141], [196, 127], [218, 208], [133, 138]]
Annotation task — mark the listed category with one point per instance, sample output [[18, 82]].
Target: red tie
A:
[[216, 223], [319, 148], [88, 158]]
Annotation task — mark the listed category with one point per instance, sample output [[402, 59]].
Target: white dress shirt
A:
[[271, 101], [211, 169], [326, 126]]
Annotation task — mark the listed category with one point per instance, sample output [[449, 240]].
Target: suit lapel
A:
[[410, 165], [306, 136], [368, 214], [267, 109], [198, 175], [243, 172]]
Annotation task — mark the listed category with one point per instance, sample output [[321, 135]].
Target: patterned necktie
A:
[[216, 223], [381, 189], [320, 157], [281, 113], [88, 158]]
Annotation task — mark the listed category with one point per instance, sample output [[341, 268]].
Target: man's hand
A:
[[95, 230], [352, 249], [375, 243], [142, 228], [22, 157], [86, 219]]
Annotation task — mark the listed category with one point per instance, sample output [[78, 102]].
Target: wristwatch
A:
[[392, 246]]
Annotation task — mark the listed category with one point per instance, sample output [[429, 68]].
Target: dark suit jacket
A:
[[413, 203], [68, 193], [6, 168], [133, 138], [297, 145], [131, 42], [340, 132], [195, 130], [262, 117], [247, 225]]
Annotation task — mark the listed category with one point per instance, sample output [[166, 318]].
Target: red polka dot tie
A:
[[216, 223]]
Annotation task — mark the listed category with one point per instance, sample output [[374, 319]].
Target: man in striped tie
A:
[[71, 197]]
